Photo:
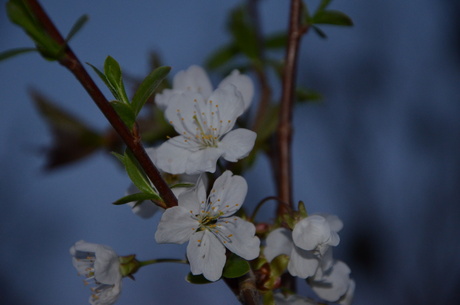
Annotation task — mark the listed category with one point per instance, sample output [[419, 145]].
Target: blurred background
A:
[[382, 151]]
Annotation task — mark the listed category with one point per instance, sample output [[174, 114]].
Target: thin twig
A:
[[284, 131], [132, 141]]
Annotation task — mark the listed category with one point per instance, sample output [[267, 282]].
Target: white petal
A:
[[243, 84], [228, 105], [206, 255], [181, 111], [310, 232], [194, 79], [172, 158], [144, 209], [333, 284], [162, 99], [106, 264], [302, 263], [107, 296], [176, 226], [204, 160], [279, 241], [348, 297], [228, 193], [192, 198], [238, 236], [237, 144]]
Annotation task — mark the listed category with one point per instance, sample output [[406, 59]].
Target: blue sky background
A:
[[382, 151]]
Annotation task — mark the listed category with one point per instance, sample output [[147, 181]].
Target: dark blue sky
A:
[[382, 150]]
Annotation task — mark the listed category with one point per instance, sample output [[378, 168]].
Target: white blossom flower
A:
[[204, 120], [195, 79], [306, 245], [209, 226], [333, 283], [101, 267]]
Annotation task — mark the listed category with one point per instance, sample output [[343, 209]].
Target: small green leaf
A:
[[76, 27], [113, 74], [235, 267], [137, 197], [14, 52], [322, 6], [332, 17], [147, 87], [221, 56], [279, 265], [125, 112], [19, 13], [302, 210], [319, 32], [136, 174], [197, 279], [244, 33], [307, 95], [276, 41]]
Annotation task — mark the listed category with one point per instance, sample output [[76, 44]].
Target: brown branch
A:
[[284, 131], [132, 141]]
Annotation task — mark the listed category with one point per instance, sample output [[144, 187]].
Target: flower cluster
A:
[[309, 247], [204, 120]]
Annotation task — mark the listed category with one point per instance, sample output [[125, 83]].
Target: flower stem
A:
[[162, 260], [132, 140]]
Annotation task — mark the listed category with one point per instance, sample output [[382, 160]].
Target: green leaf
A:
[[14, 52], [244, 34], [322, 6], [307, 95], [276, 41], [147, 87], [235, 267], [197, 279], [222, 56], [125, 112], [319, 32], [136, 174], [332, 17], [113, 74], [137, 197], [76, 27], [19, 13]]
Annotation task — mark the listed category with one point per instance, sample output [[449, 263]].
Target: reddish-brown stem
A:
[[284, 131], [132, 141]]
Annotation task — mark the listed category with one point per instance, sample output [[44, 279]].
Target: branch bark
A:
[[284, 130], [132, 140]]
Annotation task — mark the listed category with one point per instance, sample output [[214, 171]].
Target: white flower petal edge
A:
[[209, 225], [332, 284], [279, 241], [194, 79], [314, 232], [100, 265], [243, 83]]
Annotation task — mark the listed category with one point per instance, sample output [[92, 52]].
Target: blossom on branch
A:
[[208, 224], [101, 267], [204, 120], [307, 245]]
